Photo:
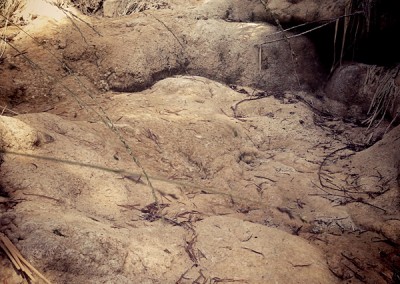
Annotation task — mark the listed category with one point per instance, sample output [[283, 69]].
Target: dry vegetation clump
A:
[[385, 103], [8, 9], [8, 12], [89, 7], [357, 28], [128, 7], [124, 7]]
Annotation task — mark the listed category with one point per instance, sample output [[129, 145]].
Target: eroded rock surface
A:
[[217, 162], [253, 184]]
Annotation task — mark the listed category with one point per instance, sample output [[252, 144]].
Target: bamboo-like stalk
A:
[[19, 262]]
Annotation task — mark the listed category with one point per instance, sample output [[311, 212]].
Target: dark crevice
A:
[[3, 192], [369, 41], [155, 77]]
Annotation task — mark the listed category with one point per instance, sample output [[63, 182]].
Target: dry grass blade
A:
[[345, 28], [299, 34], [5, 109], [386, 93], [19, 261], [190, 249], [334, 45]]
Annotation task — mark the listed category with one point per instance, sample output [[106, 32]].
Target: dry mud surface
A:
[[233, 176]]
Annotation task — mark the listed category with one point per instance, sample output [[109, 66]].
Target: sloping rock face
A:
[[16, 135], [236, 181], [224, 182], [286, 11], [133, 52], [303, 11], [164, 45], [92, 223], [385, 154], [223, 238]]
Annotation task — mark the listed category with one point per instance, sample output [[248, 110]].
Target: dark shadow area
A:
[[370, 39]]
